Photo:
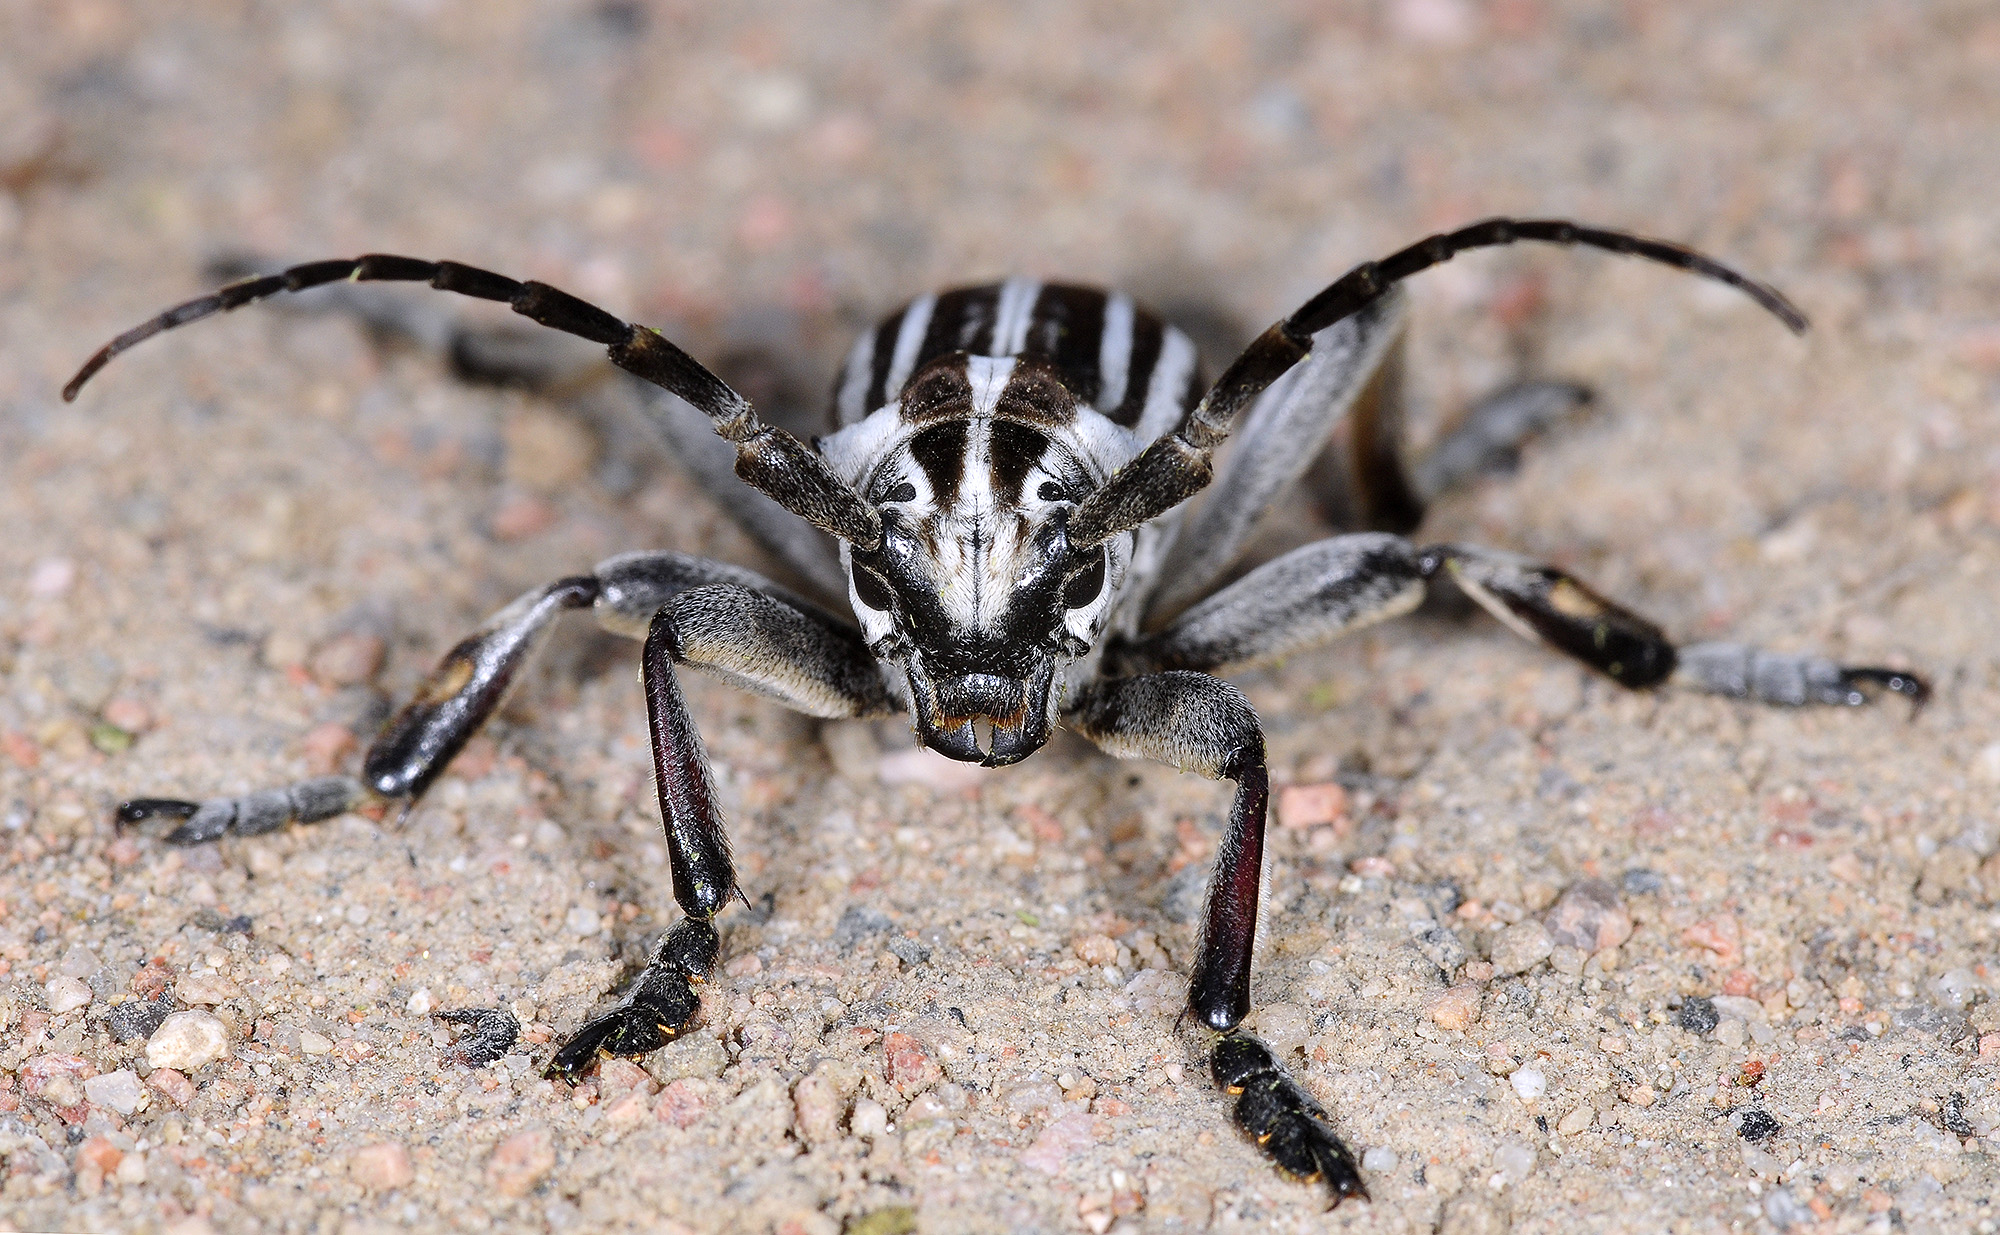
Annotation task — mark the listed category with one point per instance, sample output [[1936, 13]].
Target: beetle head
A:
[[975, 588]]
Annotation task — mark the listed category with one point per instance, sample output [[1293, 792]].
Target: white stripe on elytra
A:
[[909, 339], [1163, 408], [1114, 352], [853, 402], [1013, 315]]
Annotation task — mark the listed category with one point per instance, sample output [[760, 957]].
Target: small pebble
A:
[[65, 994], [1639, 881], [1698, 1015], [1567, 960], [816, 1108], [1758, 1125], [1515, 1161], [869, 1119], [615, 1076], [519, 1162], [62, 1091], [1059, 1142], [1454, 1008], [683, 1101], [1589, 918], [1305, 806], [315, 1043], [121, 1091], [381, 1168], [1283, 1026], [175, 1085], [186, 1041], [351, 659], [420, 1003], [1519, 948], [583, 921], [1529, 1083], [521, 517], [907, 1065], [128, 714], [1096, 950], [1379, 1158], [206, 988], [51, 577]]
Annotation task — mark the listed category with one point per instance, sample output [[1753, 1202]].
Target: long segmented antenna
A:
[[769, 459], [1176, 466]]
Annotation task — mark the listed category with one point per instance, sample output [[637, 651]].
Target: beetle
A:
[[1005, 478]]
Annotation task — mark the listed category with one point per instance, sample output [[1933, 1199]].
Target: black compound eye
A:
[[872, 591], [905, 492], [1051, 492], [1084, 586]]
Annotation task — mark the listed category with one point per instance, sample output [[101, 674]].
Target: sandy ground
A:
[[952, 1006]]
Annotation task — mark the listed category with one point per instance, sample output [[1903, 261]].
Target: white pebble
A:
[[65, 995], [315, 1043], [1380, 1158], [420, 1003], [186, 1041], [121, 1091], [1529, 1083], [357, 915], [1514, 1162], [582, 921], [869, 1119], [52, 576]]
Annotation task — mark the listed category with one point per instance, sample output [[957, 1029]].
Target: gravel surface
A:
[[1557, 957]]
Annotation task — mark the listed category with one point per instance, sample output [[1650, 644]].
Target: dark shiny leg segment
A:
[[1199, 724], [764, 642], [661, 1004], [465, 689]]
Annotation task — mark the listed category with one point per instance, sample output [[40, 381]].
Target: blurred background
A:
[[185, 544]]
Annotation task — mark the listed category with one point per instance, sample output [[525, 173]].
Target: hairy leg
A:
[[1200, 724], [1321, 591]]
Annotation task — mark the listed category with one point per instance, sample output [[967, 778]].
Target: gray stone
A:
[[1519, 948]]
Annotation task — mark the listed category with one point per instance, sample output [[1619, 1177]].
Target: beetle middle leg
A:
[[1325, 589]]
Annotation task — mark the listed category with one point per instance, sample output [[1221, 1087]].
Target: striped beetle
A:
[[1004, 478]]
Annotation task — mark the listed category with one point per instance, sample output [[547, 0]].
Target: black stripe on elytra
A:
[[940, 451], [937, 389], [962, 322], [1067, 329], [1015, 450], [885, 353], [1147, 334]]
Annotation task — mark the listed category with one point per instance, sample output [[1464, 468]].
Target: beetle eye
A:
[[872, 591], [1084, 586], [905, 492], [1050, 492]]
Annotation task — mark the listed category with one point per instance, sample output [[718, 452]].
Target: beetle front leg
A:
[[752, 639], [1201, 724], [413, 749]]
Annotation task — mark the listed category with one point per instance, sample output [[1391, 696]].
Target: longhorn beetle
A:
[[1004, 474]]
